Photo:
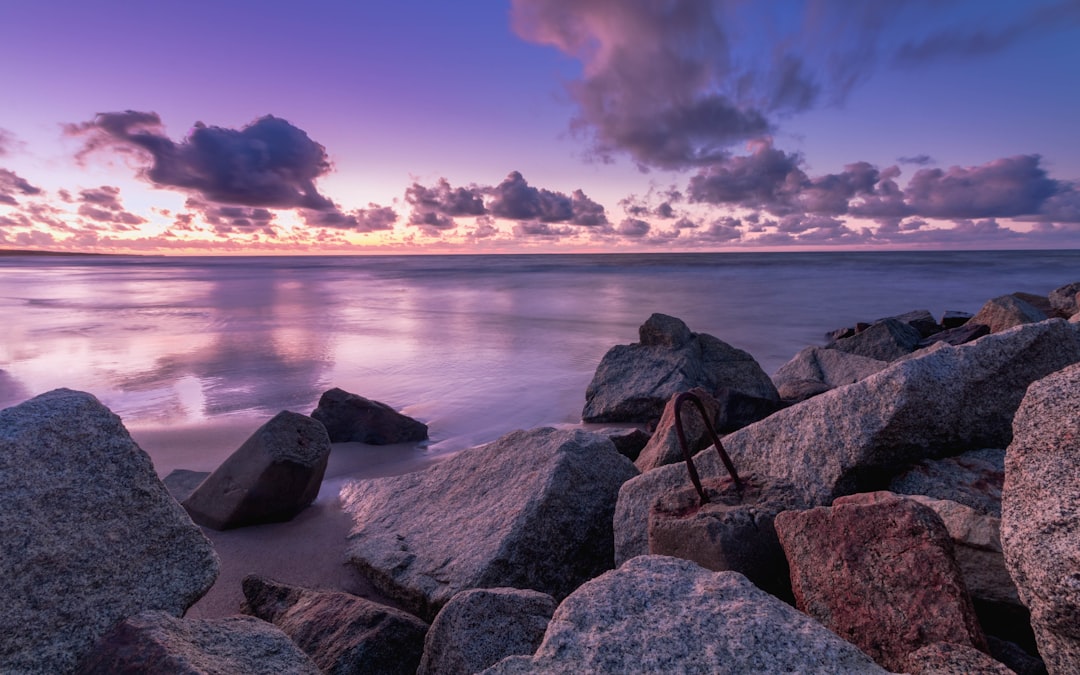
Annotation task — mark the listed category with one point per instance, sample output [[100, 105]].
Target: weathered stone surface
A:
[[733, 531], [886, 340], [798, 390], [353, 418], [182, 482], [629, 442], [1039, 302], [479, 628], [963, 334], [972, 478], [1041, 515], [1066, 299], [665, 615], [155, 643], [663, 447], [921, 320], [530, 510], [633, 382], [1006, 311], [946, 658], [878, 570], [738, 410], [832, 367], [342, 633], [977, 548], [954, 319], [273, 476], [945, 401], [89, 534]]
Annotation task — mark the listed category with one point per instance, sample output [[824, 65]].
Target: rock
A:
[[530, 510], [181, 482], [1065, 299], [886, 340], [796, 391], [733, 531], [479, 628], [738, 410], [342, 633], [1040, 516], [832, 367], [1039, 302], [90, 535], [156, 643], [1016, 658], [921, 320], [977, 548], [972, 478], [945, 658], [954, 319], [634, 382], [1006, 312], [968, 332], [273, 476], [353, 418], [663, 447], [878, 570], [628, 441], [664, 615], [945, 401]]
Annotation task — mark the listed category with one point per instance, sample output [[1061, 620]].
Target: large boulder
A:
[[878, 570], [530, 510], [831, 367], [942, 402], [664, 448], [1066, 299], [971, 478], [272, 477], [633, 382], [886, 340], [479, 628], [657, 614], [342, 633], [947, 658], [88, 534], [156, 643], [353, 418], [1005, 312], [1041, 515]]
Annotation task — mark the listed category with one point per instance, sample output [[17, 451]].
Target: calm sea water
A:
[[473, 345]]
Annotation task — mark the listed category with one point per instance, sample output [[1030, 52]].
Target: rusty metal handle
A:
[[694, 478]]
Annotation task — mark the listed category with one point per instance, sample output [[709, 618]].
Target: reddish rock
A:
[[1007, 311], [663, 448], [879, 571], [945, 658]]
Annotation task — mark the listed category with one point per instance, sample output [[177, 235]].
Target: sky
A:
[[427, 126]]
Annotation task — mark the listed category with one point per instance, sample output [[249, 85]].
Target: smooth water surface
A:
[[475, 346]]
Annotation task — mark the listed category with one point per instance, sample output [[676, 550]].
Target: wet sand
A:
[[307, 551]]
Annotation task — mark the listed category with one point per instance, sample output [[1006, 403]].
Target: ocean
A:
[[194, 353]]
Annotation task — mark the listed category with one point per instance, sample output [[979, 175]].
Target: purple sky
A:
[[338, 126]]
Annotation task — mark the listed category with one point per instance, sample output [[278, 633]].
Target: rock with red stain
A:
[[879, 571], [663, 448]]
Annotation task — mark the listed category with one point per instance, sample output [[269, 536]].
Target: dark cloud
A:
[[766, 178], [544, 230], [103, 206], [434, 208], [269, 163], [917, 160], [1003, 188], [372, 219], [11, 184], [634, 228], [515, 199], [227, 219]]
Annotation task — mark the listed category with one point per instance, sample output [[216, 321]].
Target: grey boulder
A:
[[886, 340], [633, 382], [657, 614], [973, 478], [342, 633], [1064, 299], [947, 658], [90, 535], [156, 643], [1040, 515], [352, 418], [831, 367], [1006, 311], [531, 510], [479, 628], [273, 476], [944, 401]]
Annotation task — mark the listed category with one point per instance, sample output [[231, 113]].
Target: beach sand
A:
[[307, 551]]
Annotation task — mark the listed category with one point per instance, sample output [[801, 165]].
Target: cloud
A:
[[634, 228], [765, 178], [7, 142], [1003, 188], [372, 219], [103, 206], [11, 184], [269, 163], [917, 160], [515, 199], [544, 230]]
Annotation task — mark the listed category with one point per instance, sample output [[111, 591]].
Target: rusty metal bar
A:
[[694, 478]]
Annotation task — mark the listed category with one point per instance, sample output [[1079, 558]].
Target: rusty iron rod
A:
[[691, 469]]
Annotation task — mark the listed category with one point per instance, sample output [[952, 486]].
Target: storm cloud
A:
[[269, 163]]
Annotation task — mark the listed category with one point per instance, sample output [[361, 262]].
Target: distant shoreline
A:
[[18, 252]]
